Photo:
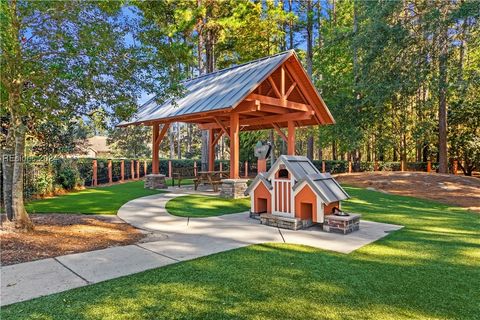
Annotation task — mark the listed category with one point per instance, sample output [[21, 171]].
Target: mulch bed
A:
[[60, 234], [453, 190]]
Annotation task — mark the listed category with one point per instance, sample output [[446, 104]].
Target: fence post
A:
[[94, 172], [122, 170], [375, 166], [429, 166], [132, 169], [138, 169], [323, 166], [402, 165], [110, 178], [195, 168], [246, 169], [349, 166], [455, 166], [145, 167], [169, 168]]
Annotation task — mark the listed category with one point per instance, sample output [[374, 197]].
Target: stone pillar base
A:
[[233, 188], [155, 181]]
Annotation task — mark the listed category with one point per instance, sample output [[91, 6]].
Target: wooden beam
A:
[[224, 129], [272, 109], [274, 87], [321, 118], [282, 82], [290, 90], [234, 145], [279, 102], [155, 128], [280, 132], [291, 138], [268, 120], [162, 133], [219, 135], [248, 106]]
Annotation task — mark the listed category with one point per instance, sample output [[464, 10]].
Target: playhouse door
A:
[[282, 197]]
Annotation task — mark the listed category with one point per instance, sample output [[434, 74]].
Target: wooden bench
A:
[[213, 178], [182, 174]]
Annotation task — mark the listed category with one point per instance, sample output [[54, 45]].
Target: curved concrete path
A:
[[188, 238], [181, 239]]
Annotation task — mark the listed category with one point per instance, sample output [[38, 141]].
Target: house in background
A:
[[294, 194], [94, 147]]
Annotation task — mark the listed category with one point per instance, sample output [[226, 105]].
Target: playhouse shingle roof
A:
[[303, 170], [324, 185], [218, 90]]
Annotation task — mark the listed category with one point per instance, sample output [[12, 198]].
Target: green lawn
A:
[[428, 270], [199, 206], [99, 200]]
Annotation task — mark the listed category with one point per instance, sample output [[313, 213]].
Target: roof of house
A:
[[303, 170], [98, 144], [218, 90]]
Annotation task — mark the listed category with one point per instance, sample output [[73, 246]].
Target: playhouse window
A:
[[283, 173]]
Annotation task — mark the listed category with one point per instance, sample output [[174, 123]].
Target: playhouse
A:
[[293, 194]]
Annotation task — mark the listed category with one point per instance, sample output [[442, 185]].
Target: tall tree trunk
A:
[[8, 150], [442, 98], [290, 28], [272, 142], [22, 219], [334, 150], [179, 142], [356, 152], [309, 31], [172, 142]]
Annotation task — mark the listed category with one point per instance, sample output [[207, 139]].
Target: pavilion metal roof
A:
[[218, 90]]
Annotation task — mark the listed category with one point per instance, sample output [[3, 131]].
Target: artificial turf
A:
[[199, 206], [427, 270], [99, 200]]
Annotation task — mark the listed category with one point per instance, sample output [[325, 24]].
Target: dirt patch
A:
[[449, 189], [60, 234]]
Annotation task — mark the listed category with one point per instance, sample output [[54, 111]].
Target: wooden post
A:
[[429, 166], [110, 178], [138, 169], [234, 145], [402, 165], [195, 168], [291, 139], [221, 166], [375, 166], [349, 166], [169, 168], [145, 167], [323, 166], [455, 166], [122, 170], [211, 150], [94, 172], [261, 165], [155, 147], [132, 169], [246, 169]]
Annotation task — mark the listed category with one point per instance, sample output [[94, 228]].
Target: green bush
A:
[[67, 174]]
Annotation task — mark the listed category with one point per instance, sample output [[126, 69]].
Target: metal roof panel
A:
[[214, 91]]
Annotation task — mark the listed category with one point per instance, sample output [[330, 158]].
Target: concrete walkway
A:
[[183, 239]]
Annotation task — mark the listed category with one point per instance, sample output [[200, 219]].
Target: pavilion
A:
[[272, 92]]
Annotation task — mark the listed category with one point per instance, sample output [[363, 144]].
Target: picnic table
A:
[[213, 178]]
